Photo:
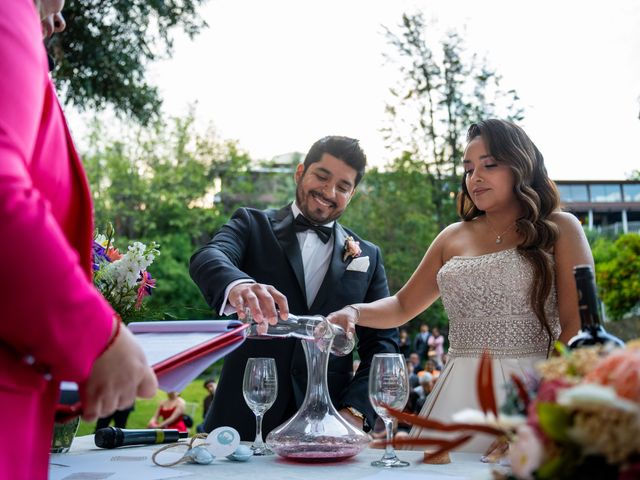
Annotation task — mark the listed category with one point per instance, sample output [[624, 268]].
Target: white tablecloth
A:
[[86, 461]]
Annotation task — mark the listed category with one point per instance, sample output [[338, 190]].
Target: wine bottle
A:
[[591, 330], [310, 328]]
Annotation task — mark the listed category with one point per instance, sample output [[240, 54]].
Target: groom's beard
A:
[[320, 218]]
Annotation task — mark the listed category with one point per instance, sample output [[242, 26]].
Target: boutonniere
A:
[[351, 249]]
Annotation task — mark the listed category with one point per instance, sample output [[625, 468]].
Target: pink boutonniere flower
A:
[[351, 249]]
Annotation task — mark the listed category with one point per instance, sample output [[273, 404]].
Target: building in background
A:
[[608, 206]]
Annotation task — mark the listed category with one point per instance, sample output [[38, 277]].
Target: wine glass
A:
[[260, 388], [388, 386]]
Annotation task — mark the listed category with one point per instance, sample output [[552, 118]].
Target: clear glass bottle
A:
[[312, 327], [317, 432], [591, 330]]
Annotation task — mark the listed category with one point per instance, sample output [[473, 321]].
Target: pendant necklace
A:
[[498, 235]]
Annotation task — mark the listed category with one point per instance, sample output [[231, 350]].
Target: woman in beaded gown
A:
[[505, 272]]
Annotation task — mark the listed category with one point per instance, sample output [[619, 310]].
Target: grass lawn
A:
[[193, 394]]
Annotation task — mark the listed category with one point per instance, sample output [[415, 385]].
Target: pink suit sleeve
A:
[[50, 310]]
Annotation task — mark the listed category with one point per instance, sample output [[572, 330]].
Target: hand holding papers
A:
[[178, 351]]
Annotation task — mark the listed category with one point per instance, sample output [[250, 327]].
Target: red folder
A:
[[178, 351]]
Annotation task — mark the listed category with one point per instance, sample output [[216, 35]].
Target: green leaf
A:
[[555, 421]]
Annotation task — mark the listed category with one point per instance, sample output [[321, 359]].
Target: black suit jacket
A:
[[262, 246]]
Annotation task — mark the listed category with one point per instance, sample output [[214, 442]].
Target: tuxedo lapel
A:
[[336, 268], [282, 224]]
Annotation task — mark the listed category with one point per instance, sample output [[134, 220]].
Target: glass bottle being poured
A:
[[304, 327]]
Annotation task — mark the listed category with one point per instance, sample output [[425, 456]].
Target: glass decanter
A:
[[317, 432]]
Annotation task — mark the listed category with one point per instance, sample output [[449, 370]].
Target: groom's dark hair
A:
[[344, 148]]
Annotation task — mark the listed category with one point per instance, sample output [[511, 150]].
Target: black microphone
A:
[[113, 437]]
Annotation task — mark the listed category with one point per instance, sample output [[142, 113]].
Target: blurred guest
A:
[[119, 418], [436, 345], [210, 386], [413, 378], [423, 390], [416, 361], [169, 413], [421, 342], [404, 343]]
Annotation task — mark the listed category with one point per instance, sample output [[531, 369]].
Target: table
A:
[[86, 461]]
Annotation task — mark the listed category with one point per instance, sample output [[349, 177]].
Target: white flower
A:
[[476, 417], [101, 239], [594, 394], [526, 454]]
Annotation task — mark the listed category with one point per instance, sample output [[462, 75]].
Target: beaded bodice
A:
[[487, 301]]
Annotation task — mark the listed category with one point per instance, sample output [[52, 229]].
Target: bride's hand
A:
[[346, 318]]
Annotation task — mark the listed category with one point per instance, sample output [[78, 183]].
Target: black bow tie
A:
[[301, 224]]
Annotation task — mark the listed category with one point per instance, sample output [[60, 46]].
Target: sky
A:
[[277, 75]]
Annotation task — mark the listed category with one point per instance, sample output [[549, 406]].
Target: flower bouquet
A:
[[123, 279], [576, 417]]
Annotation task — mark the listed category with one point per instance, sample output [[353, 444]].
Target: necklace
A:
[[498, 235]]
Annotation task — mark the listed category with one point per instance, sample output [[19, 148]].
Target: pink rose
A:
[[526, 454], [351, 249]]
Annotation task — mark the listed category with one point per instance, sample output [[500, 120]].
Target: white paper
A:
[[164, 339], [178, 378]]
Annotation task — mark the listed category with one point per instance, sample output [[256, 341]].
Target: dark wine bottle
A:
[[591, 330]]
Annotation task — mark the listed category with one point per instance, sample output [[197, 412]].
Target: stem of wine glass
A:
[[258, 442], [389, 452]]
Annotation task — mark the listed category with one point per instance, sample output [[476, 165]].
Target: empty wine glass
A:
[[260, 388], [388, 386]]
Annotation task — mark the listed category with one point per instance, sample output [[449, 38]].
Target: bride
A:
[[505, 272]]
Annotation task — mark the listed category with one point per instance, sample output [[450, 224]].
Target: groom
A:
[[298, 259]]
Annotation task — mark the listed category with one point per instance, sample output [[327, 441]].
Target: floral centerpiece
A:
[[576, 417], [122, 278]]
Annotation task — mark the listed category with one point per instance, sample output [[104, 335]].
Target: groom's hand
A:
[[261, 300]]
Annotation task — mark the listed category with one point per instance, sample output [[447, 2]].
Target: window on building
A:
[[605, 192], [631, 193], [573, 193]]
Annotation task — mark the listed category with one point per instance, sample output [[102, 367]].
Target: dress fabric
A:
[[487, 301], [179, 424]]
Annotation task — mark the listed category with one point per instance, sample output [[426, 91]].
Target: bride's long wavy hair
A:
[[538, 198]]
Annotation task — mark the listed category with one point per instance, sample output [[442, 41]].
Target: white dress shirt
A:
[[316, 257]]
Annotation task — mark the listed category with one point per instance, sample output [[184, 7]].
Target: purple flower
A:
[[99, 256]]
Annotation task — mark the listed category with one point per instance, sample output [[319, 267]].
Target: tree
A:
[[618, 273], [158, 183], [394, 209], [102, 56], [438, 96]]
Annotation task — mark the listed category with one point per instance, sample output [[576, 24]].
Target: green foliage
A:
[[394, 210], [618, 273], [176, 296], [102, 56], [440, 94], [555, 421], [158, 183]]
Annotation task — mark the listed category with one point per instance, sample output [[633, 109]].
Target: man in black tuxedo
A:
[[296, 259], [421, 342]]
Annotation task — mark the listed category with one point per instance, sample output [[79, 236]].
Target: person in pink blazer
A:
[[54, 325]]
